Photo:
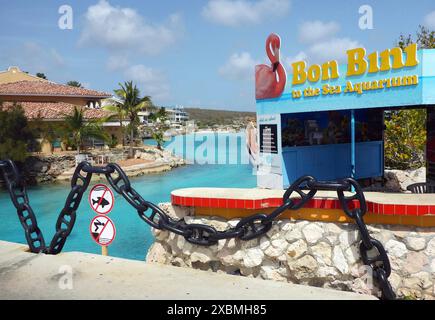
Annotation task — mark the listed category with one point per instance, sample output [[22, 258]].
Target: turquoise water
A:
[[133, 236]]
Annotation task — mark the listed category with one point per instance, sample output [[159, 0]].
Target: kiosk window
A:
[[330, 127]]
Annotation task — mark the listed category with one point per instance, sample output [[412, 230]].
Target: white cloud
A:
[[124, 29], [240, 12], [240, 66], [298, 57], [313, 31], [151, 82], [333, 49], [429, 20]]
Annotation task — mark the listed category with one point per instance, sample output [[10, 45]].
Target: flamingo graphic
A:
[[270, 80]]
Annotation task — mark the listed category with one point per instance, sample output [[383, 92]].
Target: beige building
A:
[[50, 101]]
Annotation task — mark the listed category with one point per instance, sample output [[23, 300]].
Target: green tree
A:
[[405, 134], [158, 130], [74, 83], [16, 137], [81, 129], [41, 75], [46, 131], [131, 103], [405, 138]]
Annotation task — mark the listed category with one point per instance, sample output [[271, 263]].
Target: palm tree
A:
[[74, 83], [131, 103], [118, 112], [80, 128], [160, 117]]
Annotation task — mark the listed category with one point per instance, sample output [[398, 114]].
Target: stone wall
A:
[[45, 168], [313, 253]]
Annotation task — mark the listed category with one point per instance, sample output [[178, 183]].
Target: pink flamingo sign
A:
[[270, 79]]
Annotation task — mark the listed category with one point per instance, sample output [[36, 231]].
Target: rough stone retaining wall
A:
[[314, 253]]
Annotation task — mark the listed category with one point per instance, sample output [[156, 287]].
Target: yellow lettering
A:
[[314, 73], [330, 70], [411, 55], [385, 55], [373, 62], [299, 74], [356, 65]]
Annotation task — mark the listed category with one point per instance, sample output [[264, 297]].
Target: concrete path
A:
[[24, 275]]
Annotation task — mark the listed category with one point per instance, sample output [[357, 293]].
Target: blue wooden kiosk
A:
[[310, 129]]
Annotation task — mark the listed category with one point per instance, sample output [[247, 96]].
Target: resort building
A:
[[50, 101], [177, 115]]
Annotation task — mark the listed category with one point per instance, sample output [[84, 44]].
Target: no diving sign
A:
[[102, 230], [101, 199]]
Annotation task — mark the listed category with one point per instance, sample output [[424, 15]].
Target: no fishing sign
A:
[[101, 199]]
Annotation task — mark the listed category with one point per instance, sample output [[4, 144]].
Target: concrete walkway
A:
[[24, 275]]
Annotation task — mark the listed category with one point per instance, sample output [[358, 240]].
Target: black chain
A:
[[248, 228]]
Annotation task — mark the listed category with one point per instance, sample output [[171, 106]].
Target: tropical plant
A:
[[74, 83], [130, 104], [81, 129], [405, 134], [16, 137], [405, 138], [41, 75], [158, 130]]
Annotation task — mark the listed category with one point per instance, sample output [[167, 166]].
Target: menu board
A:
[[268, 138]]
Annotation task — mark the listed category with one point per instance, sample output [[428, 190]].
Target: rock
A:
[[348, 238], [231, 243], [304, 267], [270, 271], [339, 260], [312, 233], [352, 254], [264, 243], [295, 250], [201, 254], [157, 253], [432, 267], [418, 281], [415, 262], [398, 180], [333, 228], [293, 235], [327, 272], [252, 257], [415, 243], [277, 248], [430, 249], [322, 253], [395, 280], [395, 248]]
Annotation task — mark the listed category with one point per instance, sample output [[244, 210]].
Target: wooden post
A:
[[104, 251]]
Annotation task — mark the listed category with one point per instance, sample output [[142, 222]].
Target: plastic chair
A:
[[421, 187]]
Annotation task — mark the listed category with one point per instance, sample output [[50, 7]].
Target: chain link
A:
[[248, 228]]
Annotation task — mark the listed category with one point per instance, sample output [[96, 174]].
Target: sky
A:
[[192, 53]]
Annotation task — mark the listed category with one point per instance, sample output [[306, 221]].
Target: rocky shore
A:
[[42, 168]]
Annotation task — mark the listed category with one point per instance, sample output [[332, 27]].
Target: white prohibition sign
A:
[[101, 199], [102, 230]]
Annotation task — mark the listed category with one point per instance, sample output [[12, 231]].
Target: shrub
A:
[[16, 137], [405, 138]]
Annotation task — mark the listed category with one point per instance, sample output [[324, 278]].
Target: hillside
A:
[[211, 117]]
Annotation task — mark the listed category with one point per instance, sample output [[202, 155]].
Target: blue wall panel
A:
[[330, 162]]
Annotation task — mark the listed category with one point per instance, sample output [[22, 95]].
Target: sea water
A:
[[133, 236]]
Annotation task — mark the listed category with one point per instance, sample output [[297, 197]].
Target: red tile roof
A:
[[55, 110], [48, 88]]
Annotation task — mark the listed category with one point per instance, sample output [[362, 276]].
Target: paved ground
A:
[[24, 275]]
